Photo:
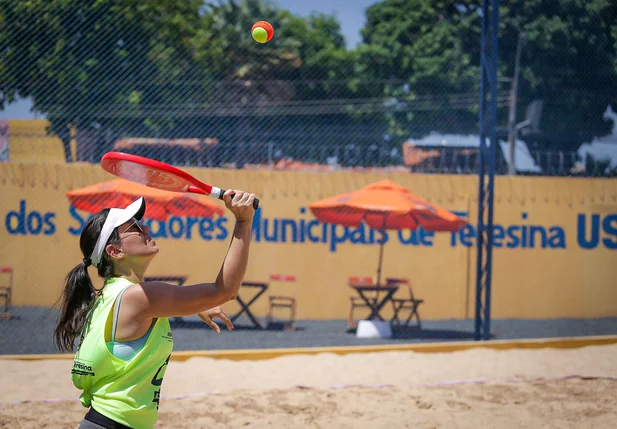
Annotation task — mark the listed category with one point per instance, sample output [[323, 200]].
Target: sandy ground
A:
[[496, 389]]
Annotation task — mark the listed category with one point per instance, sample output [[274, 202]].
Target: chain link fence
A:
[[188, 85], [184, 83]]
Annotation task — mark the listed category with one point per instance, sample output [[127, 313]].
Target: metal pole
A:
[[270, 153], [481, 177], [383, 239], [488, 126], [491, 170], [512, 135]]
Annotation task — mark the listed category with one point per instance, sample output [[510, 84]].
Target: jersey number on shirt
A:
[[156, 381]]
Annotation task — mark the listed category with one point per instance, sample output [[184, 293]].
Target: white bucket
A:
[[373, 329]]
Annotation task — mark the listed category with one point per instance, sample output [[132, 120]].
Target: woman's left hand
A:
[[208, 315]]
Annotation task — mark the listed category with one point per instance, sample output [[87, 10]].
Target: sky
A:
[[350, 14]]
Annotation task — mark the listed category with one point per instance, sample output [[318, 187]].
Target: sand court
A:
[[502, 389]]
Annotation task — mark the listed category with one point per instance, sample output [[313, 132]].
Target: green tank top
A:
[[125, 391]]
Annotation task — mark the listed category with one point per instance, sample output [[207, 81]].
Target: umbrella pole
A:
[[383, 239]]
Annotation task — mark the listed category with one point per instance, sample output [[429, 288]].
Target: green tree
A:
[[423, 55], [430, 49], [97, 66], [568, 60], [302, 50], [280, 91]]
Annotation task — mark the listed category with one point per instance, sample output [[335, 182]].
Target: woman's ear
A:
[[114, 251]]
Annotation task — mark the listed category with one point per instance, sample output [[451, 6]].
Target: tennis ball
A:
[[262, 31]]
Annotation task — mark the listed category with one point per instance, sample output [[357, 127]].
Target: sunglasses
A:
[[138, 225]]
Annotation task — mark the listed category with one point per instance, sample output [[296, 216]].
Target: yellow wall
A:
[[29, 142], [527, 282]]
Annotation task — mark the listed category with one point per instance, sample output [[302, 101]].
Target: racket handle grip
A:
[[255, 201]]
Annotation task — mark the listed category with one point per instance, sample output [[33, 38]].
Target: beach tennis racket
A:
[[158, 175]]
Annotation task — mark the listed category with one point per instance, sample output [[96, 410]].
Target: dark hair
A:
[[79, 293]]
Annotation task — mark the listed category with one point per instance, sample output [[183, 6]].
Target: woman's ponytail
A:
[[79, 294], [77, 300]]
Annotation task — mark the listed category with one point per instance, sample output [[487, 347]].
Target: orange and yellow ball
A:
[[262, 31]]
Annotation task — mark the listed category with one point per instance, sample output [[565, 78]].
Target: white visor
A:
[[115, 218]]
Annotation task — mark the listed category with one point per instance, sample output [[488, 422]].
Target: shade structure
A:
[[385, 205], [160, 205]]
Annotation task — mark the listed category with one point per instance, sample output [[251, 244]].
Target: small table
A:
[[374, 304], [263, 287]]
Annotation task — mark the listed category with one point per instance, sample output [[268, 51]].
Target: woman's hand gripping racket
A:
[[157, 174]]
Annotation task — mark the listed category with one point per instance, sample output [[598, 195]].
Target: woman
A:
[[125, 337]]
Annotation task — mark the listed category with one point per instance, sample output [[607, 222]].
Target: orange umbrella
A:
[[159, 204], [385, 205]]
